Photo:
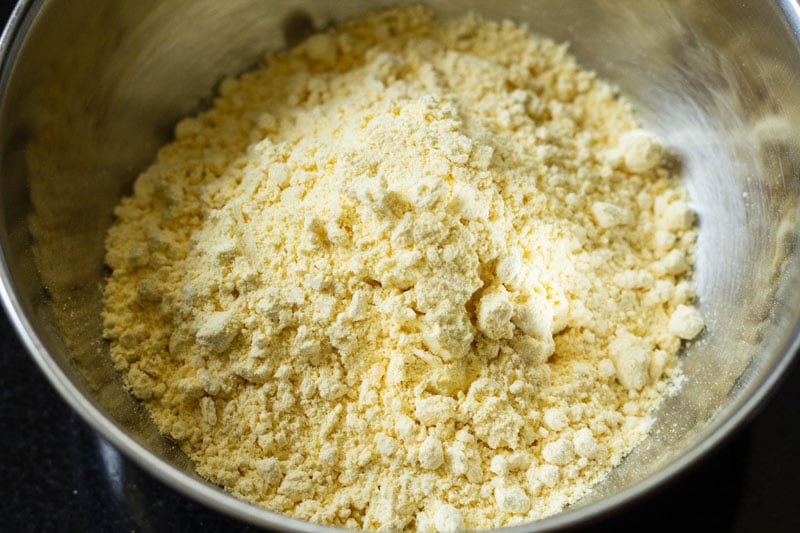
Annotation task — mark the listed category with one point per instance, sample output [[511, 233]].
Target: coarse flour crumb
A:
[[410, 275]]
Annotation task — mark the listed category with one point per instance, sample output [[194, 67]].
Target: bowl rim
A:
[[13, 35]]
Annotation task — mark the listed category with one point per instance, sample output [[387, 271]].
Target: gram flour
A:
[[410, 275]]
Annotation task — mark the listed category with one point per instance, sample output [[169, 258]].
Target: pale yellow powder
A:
[[413, 274]]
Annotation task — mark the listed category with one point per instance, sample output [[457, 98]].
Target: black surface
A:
[[56, 474]]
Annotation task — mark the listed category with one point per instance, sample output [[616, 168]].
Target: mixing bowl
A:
[[91, 90]]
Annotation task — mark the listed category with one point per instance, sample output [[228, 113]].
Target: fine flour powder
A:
[[411, 275]]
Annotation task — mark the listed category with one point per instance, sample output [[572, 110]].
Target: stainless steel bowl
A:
[[91, 89]]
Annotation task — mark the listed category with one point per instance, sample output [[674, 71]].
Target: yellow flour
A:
[[413, 274]]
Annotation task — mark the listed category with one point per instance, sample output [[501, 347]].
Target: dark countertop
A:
[[56, 474]]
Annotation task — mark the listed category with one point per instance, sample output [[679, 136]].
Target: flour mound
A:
[[412, 274]]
